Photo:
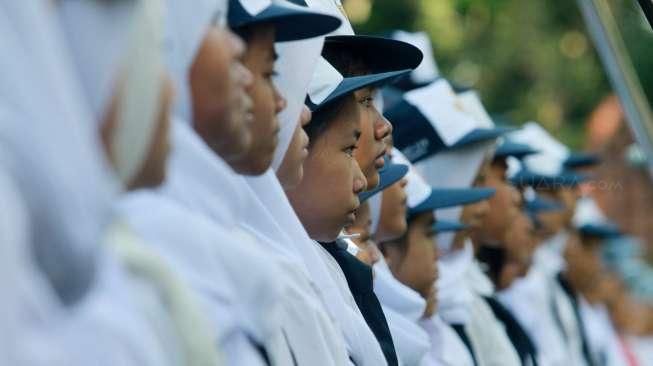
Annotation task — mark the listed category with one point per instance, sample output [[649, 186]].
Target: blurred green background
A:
[[530, 60]]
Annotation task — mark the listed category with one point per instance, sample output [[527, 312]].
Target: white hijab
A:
[[209, 249], [56, 162]]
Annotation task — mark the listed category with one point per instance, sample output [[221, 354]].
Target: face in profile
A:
[[326, 199], [374, 131], [413, 260], [368, 253], [519, 246], [291, 170], [259, 59], [221, 105], [392, 222], [503, 206]]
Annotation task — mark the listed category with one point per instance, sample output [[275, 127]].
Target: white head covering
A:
[[185, 29], [56, 161], [141, 63], [428, 70], [551, 153], [333, 7]]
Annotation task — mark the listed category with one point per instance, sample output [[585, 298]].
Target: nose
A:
[[281, 102], [360, 183], [306, 116], [382, 128]]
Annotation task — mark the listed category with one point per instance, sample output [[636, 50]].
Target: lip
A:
[[379, 162], [351, 217]]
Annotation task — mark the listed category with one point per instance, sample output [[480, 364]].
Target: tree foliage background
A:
[[529, 59]]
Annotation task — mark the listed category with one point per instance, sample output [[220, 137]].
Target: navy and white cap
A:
[[546, 168], [292, 22], [389, 175], [434, 118], [508, 148], [421, 197], [328, 85], [448, 226], [590, 221]]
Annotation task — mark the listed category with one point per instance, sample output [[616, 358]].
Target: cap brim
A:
[[452, 197], [526, 178], [291, 22], [581, 160], [601, 231], [481, 135], [378, 53], [390, 175], [351, 84], [513, 149], [444, 226]]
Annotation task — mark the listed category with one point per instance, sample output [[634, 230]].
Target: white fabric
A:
[[324, 81], [532, 301], [438, 103], [454, 296], [411, 342], [375, 203], [462, 166], [184, 32], [447, 349], [486, 333], [253, 7], [29, 307], [295, 68], [565, 312], [602, 337], [588, 212], [417, 190], [427, 71], [403, 308], [134, 44], [334, 7], [59, 148], [395, 295], [471, 103], [551, 153], [204, 255]]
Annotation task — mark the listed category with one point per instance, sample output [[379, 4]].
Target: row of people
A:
[[248, 182]]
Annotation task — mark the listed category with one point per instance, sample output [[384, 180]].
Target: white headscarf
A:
[[55, 157]]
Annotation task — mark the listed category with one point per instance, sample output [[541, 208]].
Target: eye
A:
[[350, 150], [367, 101], [271, 74]]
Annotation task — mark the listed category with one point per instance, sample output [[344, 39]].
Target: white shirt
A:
[[486, 333]]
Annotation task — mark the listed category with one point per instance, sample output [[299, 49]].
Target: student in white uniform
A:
[[585, 274], [538, 301], [422, 201], [123, 333], [133, 121], [198, 168], [456, 136]]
